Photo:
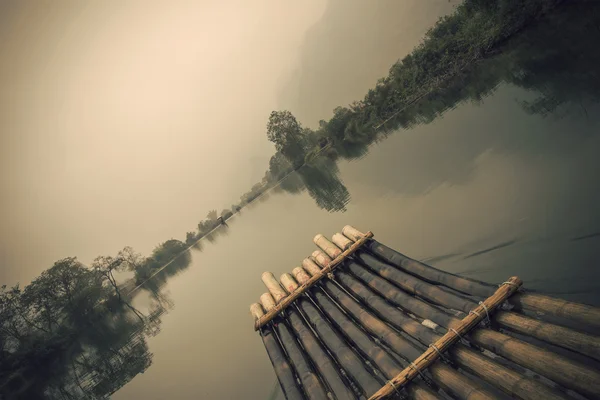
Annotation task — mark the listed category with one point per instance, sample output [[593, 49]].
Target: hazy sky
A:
[[124, 122]]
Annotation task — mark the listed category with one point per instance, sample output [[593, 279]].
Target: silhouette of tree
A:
[[286, 133]]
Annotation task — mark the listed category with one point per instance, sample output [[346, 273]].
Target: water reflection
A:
[[72, 334], [555, 61], [321, 180], [319, 177]]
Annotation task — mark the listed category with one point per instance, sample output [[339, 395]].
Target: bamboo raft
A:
[[359, 320]]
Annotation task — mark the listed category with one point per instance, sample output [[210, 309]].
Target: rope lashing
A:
[[391, 382], [414, 366], [442, 356], [400, 393], [457, 334], [508, 283], [487, 321], [487, 312]]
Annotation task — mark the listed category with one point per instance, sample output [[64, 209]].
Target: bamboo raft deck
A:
[[359, 320]]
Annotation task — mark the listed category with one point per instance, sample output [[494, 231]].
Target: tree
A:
[[226, 214], [286, 133], [131, 259], [212, 215], [105, 266], [279, 166], [53, 295], [336, 126], [64, 337], [190, 238]]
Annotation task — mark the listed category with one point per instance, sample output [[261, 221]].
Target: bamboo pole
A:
[[313, 388], [301, 275], [579, 342], [256, 310], [341, 241], [416, 392], [575, 315], [321, 258], [509, 381], [399, 297], [310, 266], [581, 378], [321, 360], [267, 301], [376, 355], [280, 363], [351, 363], [352, 233], [369, 349], [288, 282], [282, 368], [415, 286], [467, 324], [329, 248], [569, 373], [554, 334], [274, 288], [318, 276], [429, 273], [580, 316], [450, 379], [309, 379], [421, 392]]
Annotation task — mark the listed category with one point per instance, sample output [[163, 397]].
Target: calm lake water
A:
[[497, 176]]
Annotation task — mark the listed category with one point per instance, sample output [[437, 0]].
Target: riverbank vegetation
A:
[[471, 33], [72, 333]]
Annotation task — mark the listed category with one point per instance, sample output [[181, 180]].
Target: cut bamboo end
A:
[[445, 342], [288, 282], [330, 265], [341, 241], [321, 258], [324, 244], [385, 286], [310, 266], [352, 233], [274, 288], [300, 275], [267, 301], [256, 310]]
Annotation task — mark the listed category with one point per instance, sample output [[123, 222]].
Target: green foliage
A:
[[279, 166], [190, 238], [167, 259], [226, 214], [453, 44], [67, 324], [288, 136]]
